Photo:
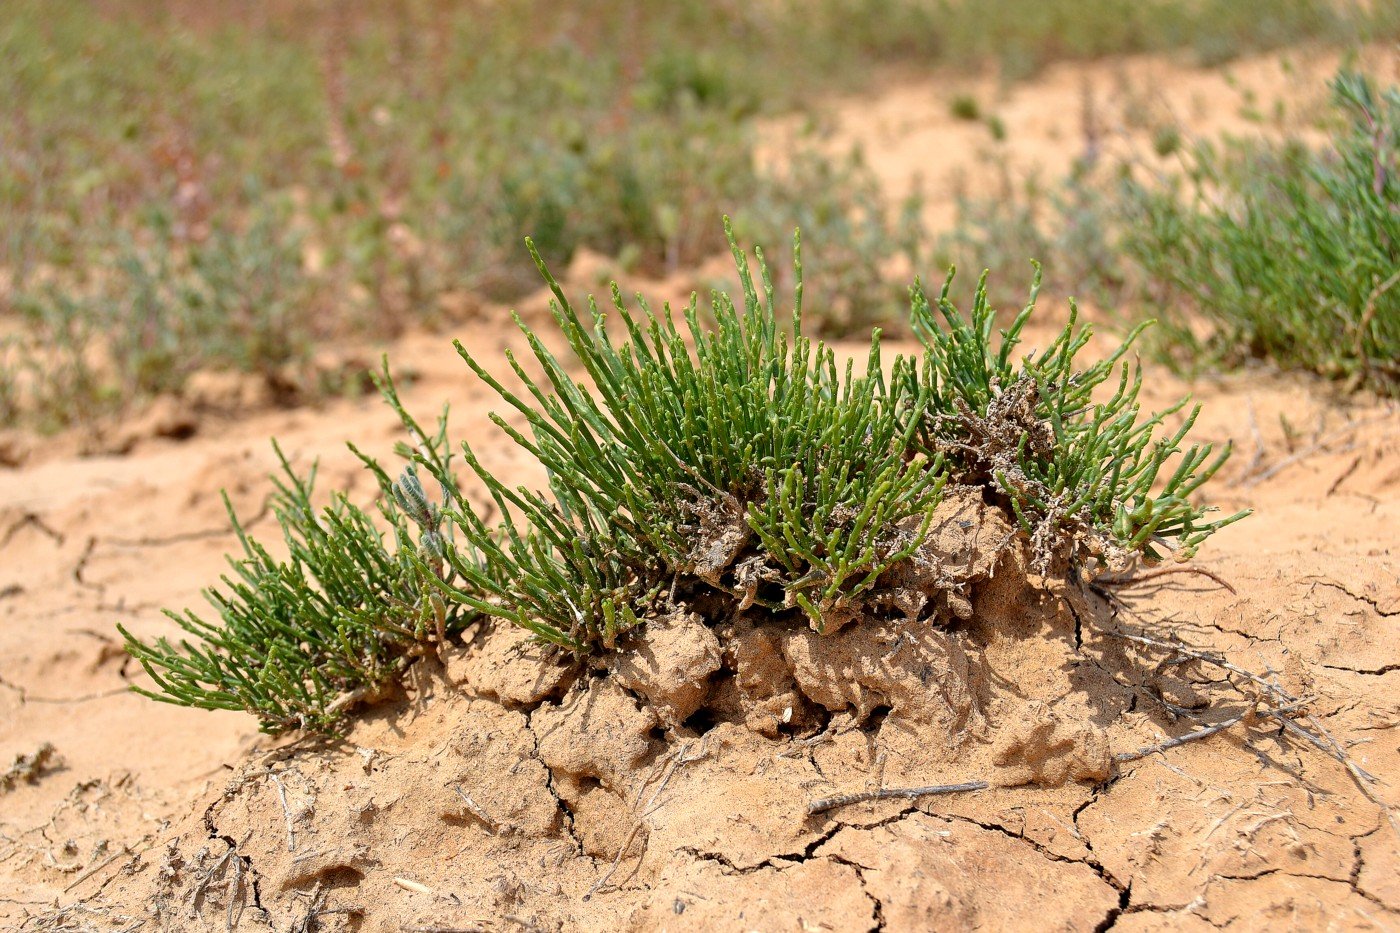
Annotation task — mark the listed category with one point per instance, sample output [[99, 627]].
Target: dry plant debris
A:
[[29, 767]]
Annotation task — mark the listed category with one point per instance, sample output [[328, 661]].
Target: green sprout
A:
[[301, 640]]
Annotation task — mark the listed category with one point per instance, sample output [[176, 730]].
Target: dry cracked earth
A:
[[502, 791]]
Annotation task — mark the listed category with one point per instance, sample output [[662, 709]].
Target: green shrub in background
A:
[[863, 248], [417, 143], [166, 307], [736, 461], [1261, 249], [1286, 253]]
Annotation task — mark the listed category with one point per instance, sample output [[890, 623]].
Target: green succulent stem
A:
[[714, 454]]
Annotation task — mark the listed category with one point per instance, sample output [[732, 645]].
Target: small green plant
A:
[[300, 641], [735, 461], [965, 107], [1166, 140], [1285, 251], [1290, 253], [55, 379]]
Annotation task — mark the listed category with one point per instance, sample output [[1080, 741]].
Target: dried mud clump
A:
[[914, 662], [916, 672]]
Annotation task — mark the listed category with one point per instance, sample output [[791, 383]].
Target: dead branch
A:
[[1322, 444], [1343, 476], [29, 768], [1207, 732], [1317, 735], [1124, 583], [888, 793], [96, 868], [286, 811], [475, 809]]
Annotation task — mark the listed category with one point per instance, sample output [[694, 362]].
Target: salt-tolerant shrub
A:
[[735, 461], [299, 640], [1278, 250]]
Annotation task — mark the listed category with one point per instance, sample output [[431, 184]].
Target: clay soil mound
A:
[[671, 784], [712, 774]]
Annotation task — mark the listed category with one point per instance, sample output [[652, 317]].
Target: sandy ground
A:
[[143, 804]]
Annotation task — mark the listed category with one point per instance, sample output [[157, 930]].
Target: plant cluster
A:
[[163, 309], [718, 454], [1288, 253], [1083, 476], [299, 640], [1258, 249]]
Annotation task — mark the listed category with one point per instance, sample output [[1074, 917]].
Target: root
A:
[[668, 768], [1315, 733], [1209, 731], [1123, 583], [892, 793]]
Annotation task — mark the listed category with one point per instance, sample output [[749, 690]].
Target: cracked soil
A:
[[501, 791]]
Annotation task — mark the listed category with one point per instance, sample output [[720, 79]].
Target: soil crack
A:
[[31, 520], [1368, 600], [237, 890], [1366, 671], [864, 889], [564, 808]]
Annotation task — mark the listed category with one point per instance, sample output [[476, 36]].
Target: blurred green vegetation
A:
[[1285, 251], [188, 184], [1277, 248]]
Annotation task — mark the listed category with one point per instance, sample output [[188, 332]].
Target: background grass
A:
[[1276, 249], [188, 184]]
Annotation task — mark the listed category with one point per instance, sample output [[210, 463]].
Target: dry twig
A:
[[29, 767], [1317, 735], [888, 793], [676, 760], [1350, 428], [1208, 731], [286, 811]]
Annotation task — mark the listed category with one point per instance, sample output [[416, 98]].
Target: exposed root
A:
[[1123, 583], [1209, 731], [892, 793], [668, 767], [1315, 734]]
